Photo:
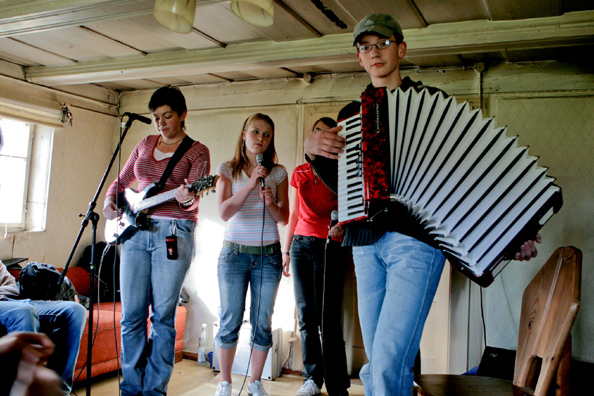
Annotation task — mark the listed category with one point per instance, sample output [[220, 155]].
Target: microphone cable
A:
[[252, 336], [115, 259], [115, 262], [333, 221], [98, 310]]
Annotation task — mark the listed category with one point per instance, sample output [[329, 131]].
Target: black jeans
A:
[[319, 308]]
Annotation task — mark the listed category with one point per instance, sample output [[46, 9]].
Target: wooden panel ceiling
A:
[[118, 44]]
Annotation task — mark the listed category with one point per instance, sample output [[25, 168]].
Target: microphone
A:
[[333, 221], [134, 116], [260, 161]]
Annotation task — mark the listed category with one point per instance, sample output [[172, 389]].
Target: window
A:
[[25, 159]]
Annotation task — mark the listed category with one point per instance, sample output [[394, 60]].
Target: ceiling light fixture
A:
[[176, 15], [256, 12]]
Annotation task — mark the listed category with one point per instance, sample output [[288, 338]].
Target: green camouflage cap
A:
[[382, 24]]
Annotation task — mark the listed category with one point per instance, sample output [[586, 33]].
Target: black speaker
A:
[[497, 363]]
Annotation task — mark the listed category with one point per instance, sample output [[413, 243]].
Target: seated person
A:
[[62, 321], [22, 360]]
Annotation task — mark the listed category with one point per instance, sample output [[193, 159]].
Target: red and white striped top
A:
[[247, 227], [142, 167]]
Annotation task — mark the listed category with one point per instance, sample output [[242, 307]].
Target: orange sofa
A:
[[106, 322]]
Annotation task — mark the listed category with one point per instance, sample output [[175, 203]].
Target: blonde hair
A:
[[240, 159]]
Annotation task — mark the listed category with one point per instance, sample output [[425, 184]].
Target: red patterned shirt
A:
[[142, 167]]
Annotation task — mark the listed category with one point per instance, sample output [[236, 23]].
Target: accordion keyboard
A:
[[350, 176], [475, 191]]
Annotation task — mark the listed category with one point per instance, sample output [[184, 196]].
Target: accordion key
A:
[[351, 196], [477, 194]]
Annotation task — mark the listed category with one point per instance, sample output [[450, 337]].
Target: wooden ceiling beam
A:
[[31, 16], [576, 28], [34, 16]]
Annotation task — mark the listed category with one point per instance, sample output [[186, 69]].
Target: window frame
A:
[[39, 176]]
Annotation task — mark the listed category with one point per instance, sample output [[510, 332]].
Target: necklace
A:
[[170, 144]]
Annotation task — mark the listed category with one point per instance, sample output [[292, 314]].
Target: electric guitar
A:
[[133, 206]]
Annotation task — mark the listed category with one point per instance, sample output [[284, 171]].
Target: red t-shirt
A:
[[316, 202]]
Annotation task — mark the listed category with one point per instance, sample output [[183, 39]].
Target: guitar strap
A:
[[177, 155]]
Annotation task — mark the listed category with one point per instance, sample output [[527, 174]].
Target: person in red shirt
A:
[[318, 266]]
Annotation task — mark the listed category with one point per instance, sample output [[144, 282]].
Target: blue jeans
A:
[[148, 277], [62, 321], [318, 279], [397, 278], [235, 272]]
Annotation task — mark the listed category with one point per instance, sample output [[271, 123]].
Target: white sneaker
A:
[[309, 388], [256, 389], [224, 389]]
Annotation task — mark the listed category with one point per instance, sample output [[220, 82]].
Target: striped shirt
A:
[[245, 227], [142, 167]]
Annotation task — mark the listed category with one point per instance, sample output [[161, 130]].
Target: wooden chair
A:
[[549, 307]]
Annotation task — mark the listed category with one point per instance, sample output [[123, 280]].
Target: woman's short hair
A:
[[169, 96]]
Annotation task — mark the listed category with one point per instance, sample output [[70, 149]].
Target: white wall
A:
[[81, 153], [560, 129], [219, 129], [217, 112], [550, 107]]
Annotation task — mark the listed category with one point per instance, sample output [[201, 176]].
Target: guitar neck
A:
[[199, 186], [154, 201]]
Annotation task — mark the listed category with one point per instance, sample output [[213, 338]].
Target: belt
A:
[[307, 238], [268, 249]]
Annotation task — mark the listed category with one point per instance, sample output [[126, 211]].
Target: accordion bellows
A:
[[474, 190]]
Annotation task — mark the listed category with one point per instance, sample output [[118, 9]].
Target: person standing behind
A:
[[397, 270], [318, 267], [151, 274], [251, 253]]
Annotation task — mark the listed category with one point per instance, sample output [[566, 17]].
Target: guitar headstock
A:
[[203, 184]]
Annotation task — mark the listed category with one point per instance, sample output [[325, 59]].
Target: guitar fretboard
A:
[[153, 201]]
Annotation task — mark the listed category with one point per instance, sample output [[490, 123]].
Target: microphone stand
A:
[[94, 218]]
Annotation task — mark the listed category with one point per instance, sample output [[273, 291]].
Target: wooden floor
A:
[[190, 379]]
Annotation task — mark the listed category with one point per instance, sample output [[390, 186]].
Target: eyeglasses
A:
[[380, 45]]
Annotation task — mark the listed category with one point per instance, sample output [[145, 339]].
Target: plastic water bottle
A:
[[201, 341]]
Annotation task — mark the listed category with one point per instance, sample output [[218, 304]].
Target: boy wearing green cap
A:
[[397, 270]]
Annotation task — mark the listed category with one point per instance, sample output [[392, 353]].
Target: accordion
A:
[[475, 193]]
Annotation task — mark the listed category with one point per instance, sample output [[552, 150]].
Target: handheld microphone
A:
[[260, 161], [333, 222], [134, 116]]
